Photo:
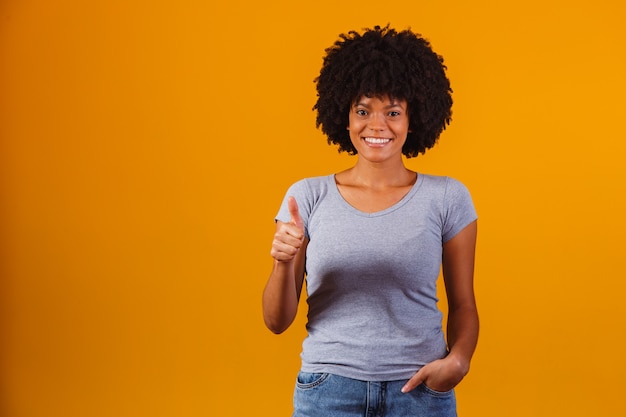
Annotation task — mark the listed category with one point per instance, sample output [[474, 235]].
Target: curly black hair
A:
[[379, 62]]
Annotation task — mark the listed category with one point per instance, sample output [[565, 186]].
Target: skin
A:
[[282, 291], [378, 127]]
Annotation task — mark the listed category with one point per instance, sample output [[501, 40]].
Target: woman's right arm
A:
[[282, 291]]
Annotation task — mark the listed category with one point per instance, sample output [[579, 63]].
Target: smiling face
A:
[[378, 127]]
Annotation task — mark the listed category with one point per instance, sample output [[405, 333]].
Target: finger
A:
[[287, 242], [289, 235], [415, 380], [292, 204], [283, 253]]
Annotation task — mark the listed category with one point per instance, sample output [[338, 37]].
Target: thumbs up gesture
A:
[[289, 236]]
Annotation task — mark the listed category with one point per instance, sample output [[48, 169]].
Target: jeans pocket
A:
[[308, 380], [436, 393]]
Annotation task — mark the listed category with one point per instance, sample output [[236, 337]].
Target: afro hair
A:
[[383, 62]]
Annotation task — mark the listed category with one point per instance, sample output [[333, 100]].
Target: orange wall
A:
[[145, 147]]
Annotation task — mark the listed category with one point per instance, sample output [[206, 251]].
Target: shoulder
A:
[[454, 201], [309, 191], [448, 192], [312, 185], [314, 182], [443, 184]]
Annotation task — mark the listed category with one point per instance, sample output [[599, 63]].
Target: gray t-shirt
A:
[[371, 277]]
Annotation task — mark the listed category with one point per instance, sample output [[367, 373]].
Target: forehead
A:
[[384, 99]]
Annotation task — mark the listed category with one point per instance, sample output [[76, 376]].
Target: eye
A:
[[394, 113], [361, 112]]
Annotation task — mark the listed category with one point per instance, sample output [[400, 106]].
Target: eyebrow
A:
[[393, 104]]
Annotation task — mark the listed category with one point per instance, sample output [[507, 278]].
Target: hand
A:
[[440, 375], [289, 236]]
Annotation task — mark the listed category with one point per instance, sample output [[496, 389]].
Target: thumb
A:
[[292, 204]]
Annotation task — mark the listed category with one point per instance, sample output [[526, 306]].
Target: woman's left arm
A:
[[458, 273]]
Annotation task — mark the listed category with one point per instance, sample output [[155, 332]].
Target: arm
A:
[[282, 291], [458, 273]]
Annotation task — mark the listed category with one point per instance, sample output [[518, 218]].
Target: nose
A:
[[377, 121]]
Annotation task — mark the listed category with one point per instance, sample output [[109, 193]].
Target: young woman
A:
[[371, 241]]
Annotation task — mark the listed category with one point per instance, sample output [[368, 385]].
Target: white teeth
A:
[[377, 140]]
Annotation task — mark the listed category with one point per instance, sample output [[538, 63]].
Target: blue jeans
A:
[[329, 395]]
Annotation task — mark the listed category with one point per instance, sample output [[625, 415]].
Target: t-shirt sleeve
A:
[[301, 192], [458, 209]]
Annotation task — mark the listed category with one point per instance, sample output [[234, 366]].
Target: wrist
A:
[[461, 363], [283, 263]]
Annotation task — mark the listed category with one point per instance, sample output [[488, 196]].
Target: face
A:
[[378, 127]]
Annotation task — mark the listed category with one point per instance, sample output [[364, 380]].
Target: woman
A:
[[371, 241]]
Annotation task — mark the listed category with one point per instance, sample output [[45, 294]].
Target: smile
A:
[[377, 141]]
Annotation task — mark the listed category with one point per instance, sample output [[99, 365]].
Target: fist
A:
[[289, 236]]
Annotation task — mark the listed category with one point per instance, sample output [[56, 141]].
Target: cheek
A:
[[356, 124]]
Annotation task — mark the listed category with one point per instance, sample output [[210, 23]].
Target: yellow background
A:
[[145, 147]]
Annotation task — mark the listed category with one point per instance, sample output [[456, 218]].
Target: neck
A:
[[380, 175]]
